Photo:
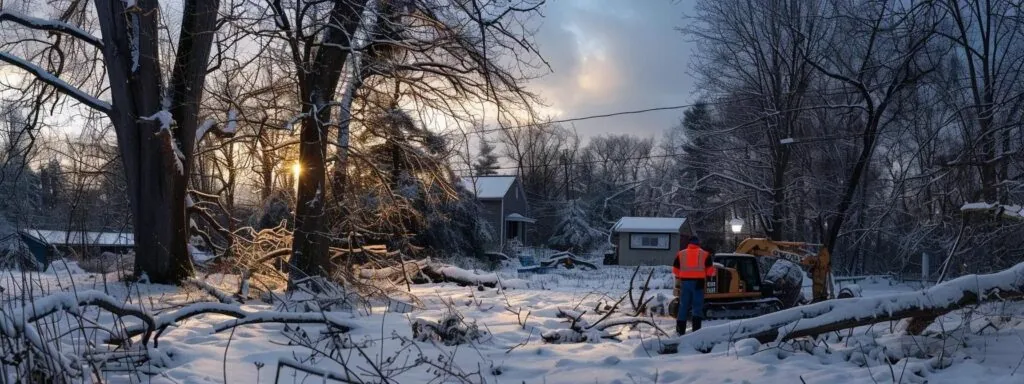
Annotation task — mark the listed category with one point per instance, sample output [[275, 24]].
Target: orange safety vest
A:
[[691, 264]]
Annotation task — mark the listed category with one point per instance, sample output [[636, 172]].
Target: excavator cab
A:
[[746, 268]]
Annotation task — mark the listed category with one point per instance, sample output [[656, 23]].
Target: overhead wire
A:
[[824, 92], [666, 155]]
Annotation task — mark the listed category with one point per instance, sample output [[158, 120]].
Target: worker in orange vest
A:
[[692, 267]]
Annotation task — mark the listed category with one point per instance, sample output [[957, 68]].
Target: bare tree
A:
[[890, 44], [155, 122], [987, 36], [754, 54]]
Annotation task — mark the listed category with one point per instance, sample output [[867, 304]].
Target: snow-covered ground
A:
[[510, 349]]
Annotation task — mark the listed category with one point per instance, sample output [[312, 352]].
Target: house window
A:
[[648, 241]]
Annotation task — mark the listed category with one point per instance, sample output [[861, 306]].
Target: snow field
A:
[[985, 346]]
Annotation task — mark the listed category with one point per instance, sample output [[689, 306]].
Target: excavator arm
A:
[[819, 263]]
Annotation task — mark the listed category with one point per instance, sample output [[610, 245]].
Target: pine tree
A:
[[486, 162], [53, 185], [573, 232], [696, 163]]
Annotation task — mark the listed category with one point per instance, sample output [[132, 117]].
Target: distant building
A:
[[506, 209], [648, 240], [46, 245]]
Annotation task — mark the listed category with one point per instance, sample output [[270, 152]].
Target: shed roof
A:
[[489, 187], [649, 224], [81, 238]]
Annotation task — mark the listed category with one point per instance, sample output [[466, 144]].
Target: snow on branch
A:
[[51, 25], [163, 116], [460, 276], [325, 374], [403, 271], [290, 124], [229, 129], [171, 145], [211, 290], [329, 318], [831, 315], [160, 323], [56, 82], [1011, 211], [19, 319], [241, 318]]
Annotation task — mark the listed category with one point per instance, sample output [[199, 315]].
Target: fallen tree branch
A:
[[72, 302], [833, 315], [224, 298], [462, 277], [580, 330], [406, 269], [162, 322], [323, 373]]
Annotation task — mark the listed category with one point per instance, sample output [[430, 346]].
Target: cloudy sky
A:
[[616, 55]]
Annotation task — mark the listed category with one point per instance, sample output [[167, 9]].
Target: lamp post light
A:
[[736, 224]]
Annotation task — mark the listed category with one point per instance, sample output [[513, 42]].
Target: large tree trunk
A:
[[310, 254], [156, 175], [833, 315]]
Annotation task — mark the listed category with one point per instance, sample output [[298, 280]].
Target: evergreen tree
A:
[[573, 232], [486, 162], [698, 145], [19, 183], [53, 186]]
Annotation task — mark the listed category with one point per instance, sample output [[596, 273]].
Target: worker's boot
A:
[[681, 328], [696, 323]]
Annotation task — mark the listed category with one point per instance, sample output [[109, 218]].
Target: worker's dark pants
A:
[[691, 296]]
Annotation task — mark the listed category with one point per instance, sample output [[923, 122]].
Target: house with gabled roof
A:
[[505, 208]]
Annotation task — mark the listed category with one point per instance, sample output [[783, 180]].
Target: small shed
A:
[[648, 240], [45, 245]]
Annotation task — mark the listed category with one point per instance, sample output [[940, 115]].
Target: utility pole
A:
[[565, 164]]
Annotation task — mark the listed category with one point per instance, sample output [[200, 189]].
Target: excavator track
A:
[[731, 310]]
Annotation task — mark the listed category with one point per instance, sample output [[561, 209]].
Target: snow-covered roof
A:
[[489, 187], [82, 238], [649, 224], [518, 217]]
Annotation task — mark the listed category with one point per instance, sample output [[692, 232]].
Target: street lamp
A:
[[736, 224]]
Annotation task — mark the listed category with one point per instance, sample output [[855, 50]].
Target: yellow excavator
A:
[[740, 290]]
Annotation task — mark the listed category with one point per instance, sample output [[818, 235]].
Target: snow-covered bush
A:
[[450, 329], [14, 255]]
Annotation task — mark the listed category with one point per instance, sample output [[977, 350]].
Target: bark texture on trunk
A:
[[156, 174], [310, 248]]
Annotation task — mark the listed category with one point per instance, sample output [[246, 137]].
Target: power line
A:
[[665, 155], [600, 116], [824, 92]]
